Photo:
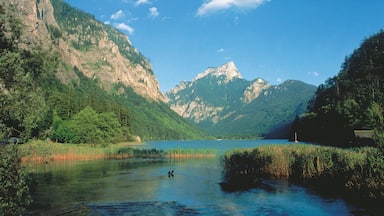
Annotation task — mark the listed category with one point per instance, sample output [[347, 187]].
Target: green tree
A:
[[375, 119], [354, 99], [110, 127], [86, 124], [14, 192], [374, 116], [23, 107], [63, 130], [350, 111]]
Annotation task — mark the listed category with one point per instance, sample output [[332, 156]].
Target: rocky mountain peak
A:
[[254, 90], [228, 70], [223, 103], [101, 52]]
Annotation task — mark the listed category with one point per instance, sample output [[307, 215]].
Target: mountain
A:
[[57, 60], [99, 51], [220, 101]]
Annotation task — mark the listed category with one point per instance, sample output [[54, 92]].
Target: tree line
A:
[[351, 100]]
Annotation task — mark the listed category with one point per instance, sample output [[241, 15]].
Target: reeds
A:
[[129, 152], [41, 151], [358, 170], [190, 153], [45, 152]]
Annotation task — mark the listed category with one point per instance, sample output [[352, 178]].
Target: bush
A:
[[14, 192], [87, 126]]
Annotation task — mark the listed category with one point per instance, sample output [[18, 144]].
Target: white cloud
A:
[[117, 15], [279, 79], [124, 27], [153, 12], [141, 2], [315, 74], [210, 6], [220, 50]]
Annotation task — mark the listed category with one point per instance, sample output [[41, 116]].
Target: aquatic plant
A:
[[358, 172], [190, 153], [46, 152], [129, 152]]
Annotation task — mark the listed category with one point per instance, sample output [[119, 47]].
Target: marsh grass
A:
[[45, 152], [357, 171], [129, 152], [191, 153], [42, 151]]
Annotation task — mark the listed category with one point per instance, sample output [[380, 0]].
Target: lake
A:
[[143, 187]]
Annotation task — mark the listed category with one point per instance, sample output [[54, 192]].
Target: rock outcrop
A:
[[102, 58], [222, 102]]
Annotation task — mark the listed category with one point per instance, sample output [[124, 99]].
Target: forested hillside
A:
[[352, 100], [226, 105], [36, 102]]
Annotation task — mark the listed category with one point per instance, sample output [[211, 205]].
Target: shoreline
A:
[[355, 174], [47, 152]]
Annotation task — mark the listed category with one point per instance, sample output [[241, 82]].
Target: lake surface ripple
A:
[[143, 187]]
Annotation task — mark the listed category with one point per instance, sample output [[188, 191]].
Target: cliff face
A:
[[97, 50], [213, 92], [223, 103]]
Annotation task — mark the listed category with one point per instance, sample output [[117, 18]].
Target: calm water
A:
[[142, 187]]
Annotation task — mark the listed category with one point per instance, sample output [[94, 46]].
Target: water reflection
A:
[[142, 187], [114, 187]]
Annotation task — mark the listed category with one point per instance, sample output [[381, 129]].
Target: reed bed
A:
[[191, 153], [42, 151], [170, 153], [45, 152], [357, 171]]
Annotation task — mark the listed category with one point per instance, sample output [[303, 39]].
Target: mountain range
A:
[[81, 62], [223, 103]]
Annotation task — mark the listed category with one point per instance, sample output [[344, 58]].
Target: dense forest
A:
[[352, 100], [36, 104]]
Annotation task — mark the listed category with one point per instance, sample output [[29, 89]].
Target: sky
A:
[[275, 40]]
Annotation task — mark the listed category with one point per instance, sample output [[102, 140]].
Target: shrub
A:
[[14, 192], [87, 126]]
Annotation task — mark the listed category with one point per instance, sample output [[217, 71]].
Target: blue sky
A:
[[276, 40]]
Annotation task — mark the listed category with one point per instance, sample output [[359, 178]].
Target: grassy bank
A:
[[359, 172], [45, 152]]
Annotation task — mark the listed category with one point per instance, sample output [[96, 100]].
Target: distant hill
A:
[[57, 60], [220, 101]]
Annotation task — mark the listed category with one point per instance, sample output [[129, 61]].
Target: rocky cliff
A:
[[223, 103], [96, 49]]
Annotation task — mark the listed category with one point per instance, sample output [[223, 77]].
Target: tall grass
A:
[[191, 153], [358, 171], [170, 153], [45, 152], [42, 151]]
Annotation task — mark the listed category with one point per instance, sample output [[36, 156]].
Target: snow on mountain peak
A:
[[228, 70]]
